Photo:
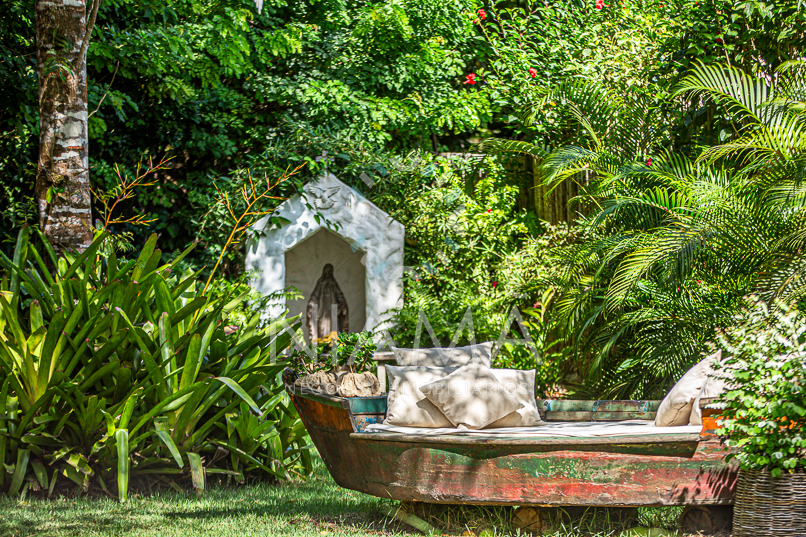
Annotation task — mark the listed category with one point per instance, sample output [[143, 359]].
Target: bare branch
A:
[[85, 45], [106, 92]]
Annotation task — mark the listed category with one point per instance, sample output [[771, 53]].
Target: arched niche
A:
[[303, 268]]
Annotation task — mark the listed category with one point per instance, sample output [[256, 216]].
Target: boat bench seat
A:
[[571, 429], [577, 422]]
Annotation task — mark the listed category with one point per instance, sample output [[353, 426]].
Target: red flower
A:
[[482, 14], [470, 79], [599, 4], [678, 289], [532, 72], [719, 40], [649, 162], [494, 284], [489, 210]]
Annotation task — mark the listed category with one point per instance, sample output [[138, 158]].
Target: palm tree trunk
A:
[[62, 180]]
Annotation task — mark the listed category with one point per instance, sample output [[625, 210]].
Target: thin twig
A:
[[106, 92], [247, 217]]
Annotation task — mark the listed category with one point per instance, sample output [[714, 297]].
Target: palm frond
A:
[[739, 92]]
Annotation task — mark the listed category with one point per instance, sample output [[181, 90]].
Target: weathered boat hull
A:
[[623, 471]]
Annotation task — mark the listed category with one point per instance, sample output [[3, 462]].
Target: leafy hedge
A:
[[115, 369], [765, 401]]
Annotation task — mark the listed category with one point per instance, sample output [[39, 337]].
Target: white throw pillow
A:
[[406, 405], [471, 397], [448, 357], [521, 384], [713, 387], [675, 409]]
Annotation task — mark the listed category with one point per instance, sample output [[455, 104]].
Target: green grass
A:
[[317, 507], [299, 509]]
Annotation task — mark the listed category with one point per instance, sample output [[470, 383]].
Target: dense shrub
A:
[[765, 405], [114, 369]]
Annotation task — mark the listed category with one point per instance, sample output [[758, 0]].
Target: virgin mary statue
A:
[[327, 306]]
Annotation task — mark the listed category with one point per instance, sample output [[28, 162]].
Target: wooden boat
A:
[[627, 471]]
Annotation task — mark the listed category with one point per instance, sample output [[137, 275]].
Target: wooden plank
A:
[[567, 415], [626, 406], [575, 410], [361, 421], [622, 416], [565, 405], [690, 439], [523, 476], [382, 377], [366, 405], [319, 413], [320, 397], [382, 358], [573, 405]]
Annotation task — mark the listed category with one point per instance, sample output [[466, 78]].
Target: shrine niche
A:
[[341, 251]]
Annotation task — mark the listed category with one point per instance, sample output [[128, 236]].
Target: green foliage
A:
[[563, 40], [356, 350], [637, 49], [253, 302], [221, 88], [19, 129], [669, 245], [458, 232], [115, 369], [755, 36], [465, 234], [690, 188], [764, 414], [353, 351]]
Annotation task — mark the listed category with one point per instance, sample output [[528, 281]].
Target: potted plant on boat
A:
[[341, 367], [764, 418]]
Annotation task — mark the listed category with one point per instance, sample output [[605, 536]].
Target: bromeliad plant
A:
[[115, 369], [765, 405]]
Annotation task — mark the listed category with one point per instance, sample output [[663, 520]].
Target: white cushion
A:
[[448, 357], [521, 384], [675, 409], [406, 405], [714, 386], [471, 397]]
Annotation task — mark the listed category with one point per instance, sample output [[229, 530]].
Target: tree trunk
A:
[[62, 178]]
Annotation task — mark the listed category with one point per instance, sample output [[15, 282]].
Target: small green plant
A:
[[765, 406], [353, 351]]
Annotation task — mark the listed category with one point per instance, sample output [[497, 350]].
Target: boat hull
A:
[[622, 471]]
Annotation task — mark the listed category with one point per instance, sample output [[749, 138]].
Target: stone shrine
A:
[[341, 251]]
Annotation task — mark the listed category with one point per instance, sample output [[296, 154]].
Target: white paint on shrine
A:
[[363, 243]]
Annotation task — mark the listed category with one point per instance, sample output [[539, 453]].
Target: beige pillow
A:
[[521, 384], [471, 397], [675, 409], [406, 405], [713, 387], [449, 357]]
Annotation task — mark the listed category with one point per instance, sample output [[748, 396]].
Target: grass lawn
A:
[[316, 507]]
